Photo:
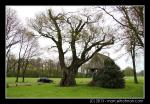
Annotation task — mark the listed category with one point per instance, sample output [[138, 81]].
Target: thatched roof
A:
[[97, 61]]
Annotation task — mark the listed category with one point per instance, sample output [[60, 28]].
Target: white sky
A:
[[25, 12]]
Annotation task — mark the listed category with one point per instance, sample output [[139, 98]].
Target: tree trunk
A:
[[133, 61], [23, 76], [24, 70], [23, 73], [134, 70], [18, 70], [68, 77], [17, 75], [7, 67]]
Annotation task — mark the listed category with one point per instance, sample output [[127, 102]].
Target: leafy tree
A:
[[11, 64], [128, 71]]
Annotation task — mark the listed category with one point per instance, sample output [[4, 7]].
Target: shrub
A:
[[110, 76]]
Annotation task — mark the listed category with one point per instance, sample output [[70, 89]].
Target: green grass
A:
[[82, 90]]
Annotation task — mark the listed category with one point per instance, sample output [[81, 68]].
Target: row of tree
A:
[[35, 68], [128, 71], [38, 68], [48, 68], [19, 36]]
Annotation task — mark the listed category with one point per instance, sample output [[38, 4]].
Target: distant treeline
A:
[[48, 68], [40, 68], [128, 71]]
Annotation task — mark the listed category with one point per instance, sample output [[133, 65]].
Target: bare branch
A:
[[113, 17], [66, 50]]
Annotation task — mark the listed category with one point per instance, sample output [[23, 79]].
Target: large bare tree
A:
[[28, 47], [83, 33], [132, 19], [132, 27], [12, 24], [31, 51]]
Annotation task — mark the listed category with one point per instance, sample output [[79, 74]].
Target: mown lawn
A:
[[82, 90]]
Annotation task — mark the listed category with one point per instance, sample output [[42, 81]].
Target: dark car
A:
[[44, 80]]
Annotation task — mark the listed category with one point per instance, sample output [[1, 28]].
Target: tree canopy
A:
[[81, 30]]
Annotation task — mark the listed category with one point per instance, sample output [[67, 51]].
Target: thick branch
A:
[[85, 47], [80, 22], [111, 41], [59, 42], [90, 47], [69, 23], [57, 28], [48, 36]]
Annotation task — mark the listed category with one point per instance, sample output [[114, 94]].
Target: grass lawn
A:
[[82, 90]]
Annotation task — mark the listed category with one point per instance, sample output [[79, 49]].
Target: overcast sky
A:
[[25, 12]]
